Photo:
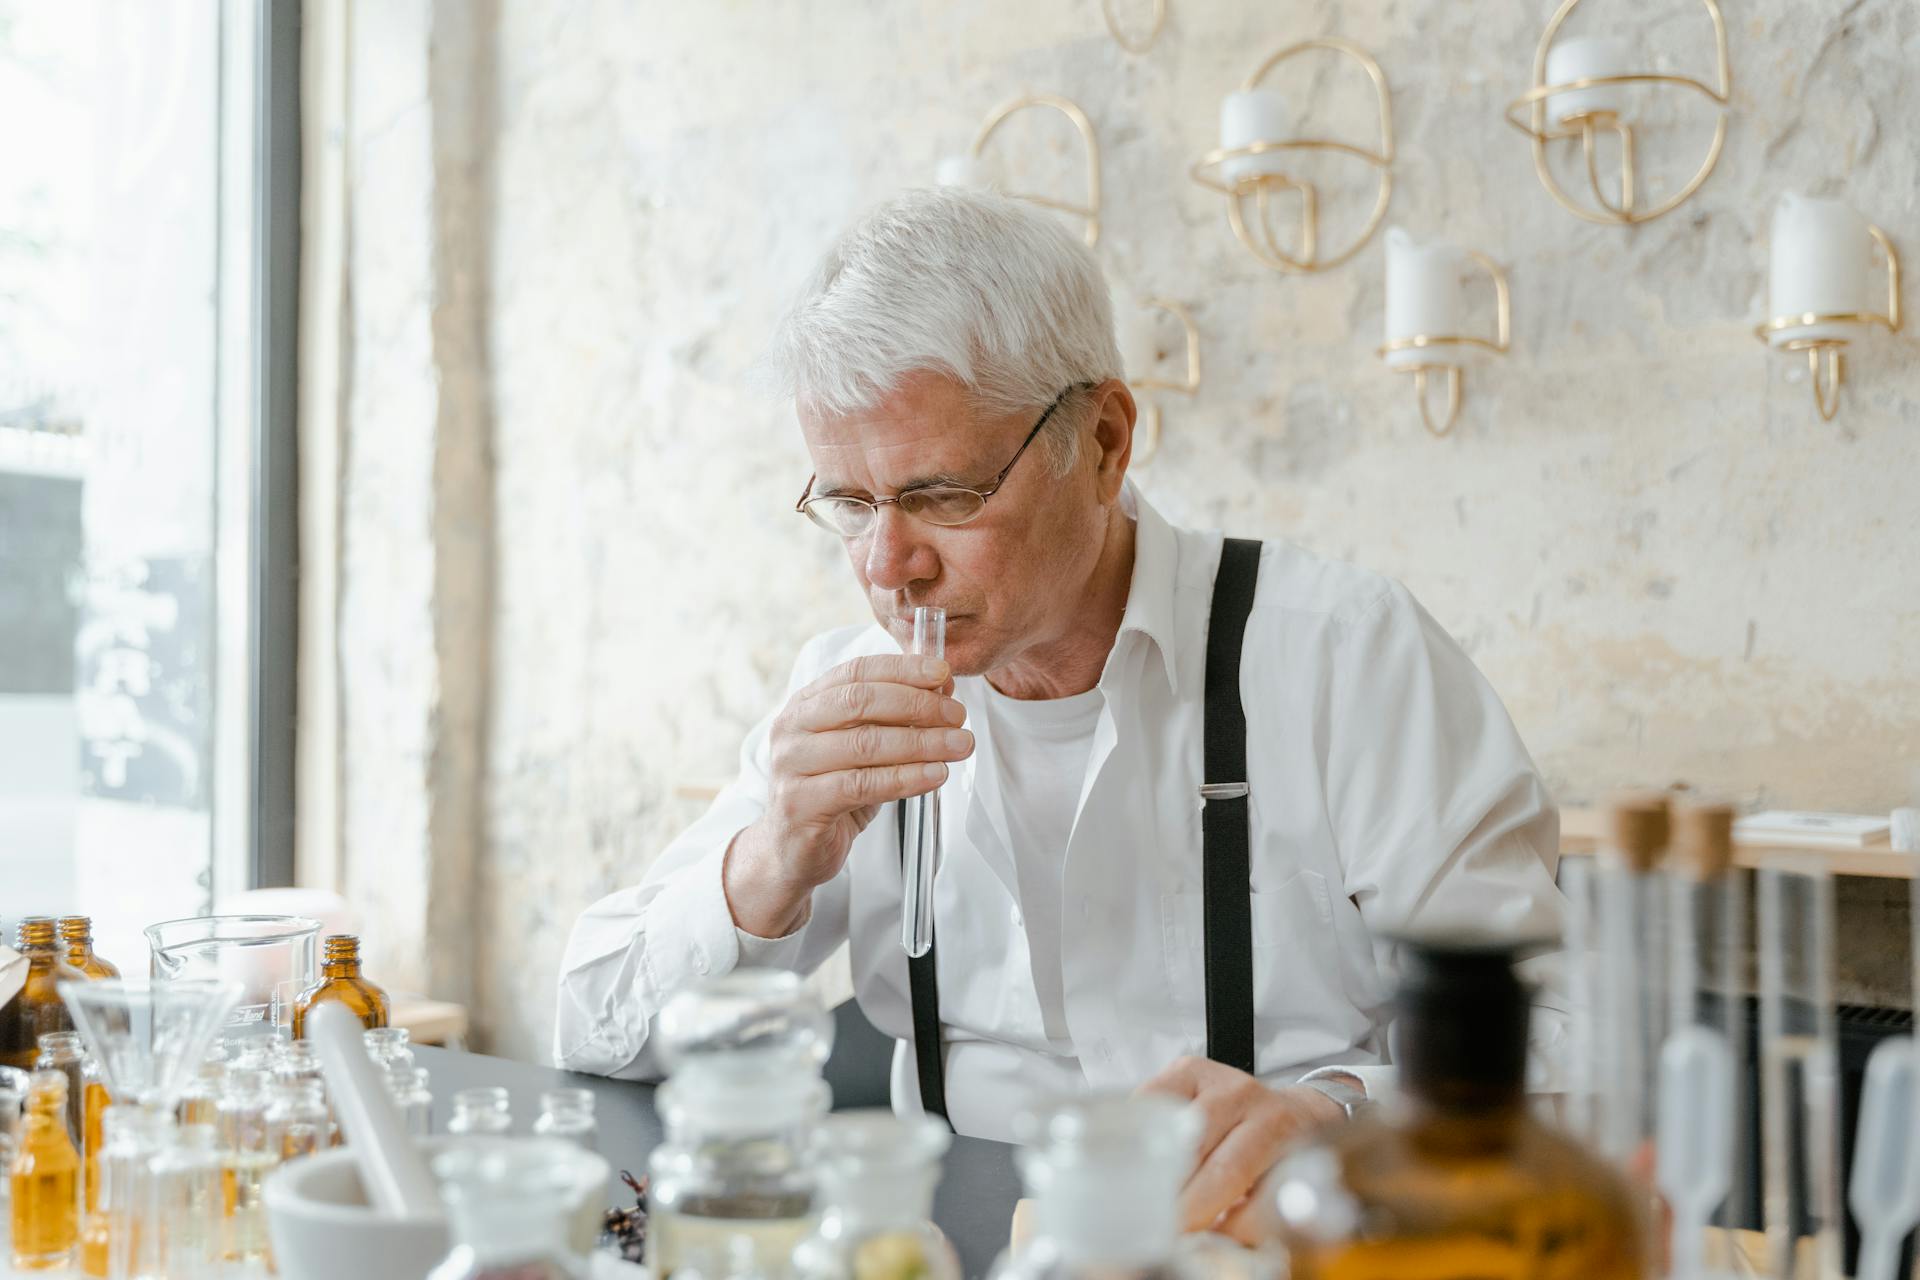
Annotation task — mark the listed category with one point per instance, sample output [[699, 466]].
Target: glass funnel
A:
[[149, 1036], [273, 958]]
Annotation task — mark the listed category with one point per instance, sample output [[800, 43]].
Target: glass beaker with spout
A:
[[273, 958]]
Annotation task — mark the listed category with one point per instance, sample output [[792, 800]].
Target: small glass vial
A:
[[119, 1233], [414, 1100], [877, 1174], [510, 1208], [246, 1158], [45, 1180], [13, 1102], [486, 1110], [200, 1099], [37, 1009], [298, 1122], [188, 1194], [76, 932], [568, 1113], [390, 1047], [62, 1051], [732, 1191], [340, 982], [1105, 1174]]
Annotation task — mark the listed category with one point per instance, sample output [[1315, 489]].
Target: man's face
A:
[[1011, 577]]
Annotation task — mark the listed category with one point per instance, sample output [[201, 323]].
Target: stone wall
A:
[[1666, 563]]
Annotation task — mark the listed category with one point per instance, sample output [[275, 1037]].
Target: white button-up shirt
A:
[[1389, 790]]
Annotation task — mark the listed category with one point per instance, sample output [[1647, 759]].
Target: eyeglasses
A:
[[941, 504]]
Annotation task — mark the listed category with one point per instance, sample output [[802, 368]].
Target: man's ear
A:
[[1113, 437]]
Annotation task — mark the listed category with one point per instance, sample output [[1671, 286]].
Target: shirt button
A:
[[1014, 915], [699, 963]]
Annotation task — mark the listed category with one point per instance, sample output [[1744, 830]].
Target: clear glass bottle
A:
[[1455, 1178], [731, 1191], [484, 1110], [62, 1051], [1104, 1174], [390, 1048], [298, 1122], [45, 1180], [415, 1100], [76, 933], [189, 1202], [568, 1113], [13, 1101], [509, 1207], [340, 981], [200, 1098], [246, 1158], [877, 1173], [36, 1010], [120, 1232]]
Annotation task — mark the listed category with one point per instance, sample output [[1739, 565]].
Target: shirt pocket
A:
[[1296, 962]]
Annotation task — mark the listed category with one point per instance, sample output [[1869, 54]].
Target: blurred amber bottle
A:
[[45, 1180], [37, 1010], [1455, 1180], [77, 933], [340, 981]]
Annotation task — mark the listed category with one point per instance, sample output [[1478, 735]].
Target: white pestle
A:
[[1693, 1156], [396, 1179], [1884, 1191]]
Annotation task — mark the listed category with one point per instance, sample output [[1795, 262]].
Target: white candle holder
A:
[[1255, 170], [1593, 102], [965, 170], [1432, 286], [1135, 44], [1147, 436], [1819, 291]]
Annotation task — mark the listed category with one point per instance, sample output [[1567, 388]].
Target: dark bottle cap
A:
[[1461, 1031]]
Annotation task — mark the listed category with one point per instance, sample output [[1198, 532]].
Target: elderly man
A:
[[1185, 789]]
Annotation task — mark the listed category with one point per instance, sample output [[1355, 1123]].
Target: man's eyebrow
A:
[[924, 482]]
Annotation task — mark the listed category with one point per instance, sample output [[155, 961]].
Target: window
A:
[[145, 406]]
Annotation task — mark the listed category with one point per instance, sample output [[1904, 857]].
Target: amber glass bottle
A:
[[1455, 1180], [37, 1010], [45, 1180], [340, 981], [77, 933]]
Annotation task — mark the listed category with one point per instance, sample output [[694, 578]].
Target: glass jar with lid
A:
[[877, 1173], [732, 1191]]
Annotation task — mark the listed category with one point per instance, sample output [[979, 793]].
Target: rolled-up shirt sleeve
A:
[[630, 951], [1441, 819]]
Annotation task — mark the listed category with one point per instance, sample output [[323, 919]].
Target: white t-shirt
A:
[[1041, 749]]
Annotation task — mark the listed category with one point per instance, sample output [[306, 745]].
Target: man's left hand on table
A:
[[1248, 1127]]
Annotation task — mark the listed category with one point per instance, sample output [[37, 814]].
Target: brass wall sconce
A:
[[1251, 162], [1820, 288], [1579, 91], [1427, 317], [1135, 44], [1147, 433], [965, 170]]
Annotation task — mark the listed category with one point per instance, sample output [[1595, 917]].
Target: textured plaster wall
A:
[[1668, 566]]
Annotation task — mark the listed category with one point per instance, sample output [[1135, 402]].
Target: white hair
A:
[[957, 281]]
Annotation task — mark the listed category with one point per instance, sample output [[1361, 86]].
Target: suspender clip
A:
[[1222, 791]]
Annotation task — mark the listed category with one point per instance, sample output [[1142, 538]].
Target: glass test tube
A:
[[1799, 1081], [1585, 1034], [1633, 993], [920, 857]]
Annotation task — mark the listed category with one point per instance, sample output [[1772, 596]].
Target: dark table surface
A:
[[978, 1185]]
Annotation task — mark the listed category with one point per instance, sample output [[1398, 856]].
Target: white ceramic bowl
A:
[[323, 1228]]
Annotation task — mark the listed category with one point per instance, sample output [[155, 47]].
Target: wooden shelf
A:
[[1581, 831]]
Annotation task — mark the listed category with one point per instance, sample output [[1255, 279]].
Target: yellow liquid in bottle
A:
[[46, 1209]]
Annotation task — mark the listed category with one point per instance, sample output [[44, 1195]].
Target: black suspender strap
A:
[[1226, 874], [923, 986], [1226, 878]]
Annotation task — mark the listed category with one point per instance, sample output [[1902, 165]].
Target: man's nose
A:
[[898, 553]]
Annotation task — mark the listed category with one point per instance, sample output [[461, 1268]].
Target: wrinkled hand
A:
[[872, 730], [1248, 1128]]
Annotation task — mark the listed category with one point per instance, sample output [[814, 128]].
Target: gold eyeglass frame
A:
[[1122, 39], [1147, 427], [1591, 124], [1264, 186], [1499, 345], [1826, 356], [1090, 212]]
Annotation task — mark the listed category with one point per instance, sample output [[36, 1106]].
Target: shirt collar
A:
[[1150, 595]]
